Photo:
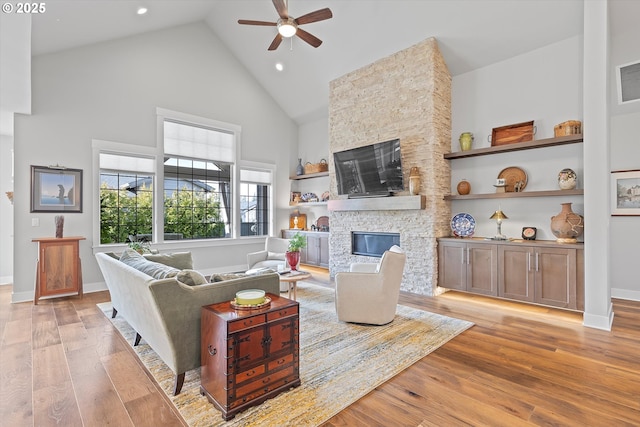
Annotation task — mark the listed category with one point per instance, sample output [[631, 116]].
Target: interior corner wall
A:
[[6, 210], [110, 91], [406, 95]]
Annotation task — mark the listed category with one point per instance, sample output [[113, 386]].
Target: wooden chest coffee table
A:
[[248, 356]]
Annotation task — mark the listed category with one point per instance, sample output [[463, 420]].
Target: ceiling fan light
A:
[[287, 28]]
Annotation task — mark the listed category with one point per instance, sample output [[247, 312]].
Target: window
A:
[[255, 202], [126, 198], [187, 187]]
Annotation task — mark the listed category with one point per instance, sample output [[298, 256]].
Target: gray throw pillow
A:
[[191, 278], [179, 260], [226, 276], [153, 269]]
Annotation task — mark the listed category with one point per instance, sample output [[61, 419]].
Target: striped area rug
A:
[[339, 362]]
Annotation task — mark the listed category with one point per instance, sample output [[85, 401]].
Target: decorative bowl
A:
[[250, 297]]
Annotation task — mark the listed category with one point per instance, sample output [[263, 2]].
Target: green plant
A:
[[140, 246], [297, 242]]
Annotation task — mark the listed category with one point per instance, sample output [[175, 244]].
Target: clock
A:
[[529, 233]]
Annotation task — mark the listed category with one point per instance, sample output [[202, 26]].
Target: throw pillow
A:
[[191, 278], [179, 260], [153, 269], [226, 276]]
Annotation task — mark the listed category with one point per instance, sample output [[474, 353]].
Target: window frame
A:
[[260, 167]]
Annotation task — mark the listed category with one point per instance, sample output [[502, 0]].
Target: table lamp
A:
[[499, 216]]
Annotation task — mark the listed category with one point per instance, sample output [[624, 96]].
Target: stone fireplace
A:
[[408, 96]]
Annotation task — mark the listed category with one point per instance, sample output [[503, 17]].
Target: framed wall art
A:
[[625, 192], [628, 82], [56, 189]]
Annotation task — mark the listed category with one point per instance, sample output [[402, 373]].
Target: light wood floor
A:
[[62, 363]]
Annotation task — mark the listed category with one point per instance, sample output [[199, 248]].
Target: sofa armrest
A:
[[255, 257]]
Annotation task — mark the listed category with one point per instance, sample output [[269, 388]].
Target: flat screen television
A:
[[369, 171]]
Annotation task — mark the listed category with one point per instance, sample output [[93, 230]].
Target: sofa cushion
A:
[[276, 255], [179, 260], [153, 269], [191, 278]]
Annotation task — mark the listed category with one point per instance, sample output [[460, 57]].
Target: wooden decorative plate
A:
[[514, 177]]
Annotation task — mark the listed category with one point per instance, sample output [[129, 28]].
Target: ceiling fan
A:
[[289, 26]]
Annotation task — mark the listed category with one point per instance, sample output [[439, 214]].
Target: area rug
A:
[[339, 362]]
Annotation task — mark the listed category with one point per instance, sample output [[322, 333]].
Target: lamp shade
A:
[[287, 27], [499, 215]]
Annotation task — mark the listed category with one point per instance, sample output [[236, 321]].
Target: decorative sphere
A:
[[463, 187], [567, 179]]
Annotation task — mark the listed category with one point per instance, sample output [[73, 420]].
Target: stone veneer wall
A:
[[406, 95]]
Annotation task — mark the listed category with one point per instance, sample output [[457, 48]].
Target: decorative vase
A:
[[300, 168], [293, 258], [414, 181], [567, 179], [567, 226], [59, 220], [466, 140], [463, 187]]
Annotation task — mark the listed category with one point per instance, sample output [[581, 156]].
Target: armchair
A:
[[369, 293], [271, 257]]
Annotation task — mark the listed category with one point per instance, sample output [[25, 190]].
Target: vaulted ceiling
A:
[[471, 34]]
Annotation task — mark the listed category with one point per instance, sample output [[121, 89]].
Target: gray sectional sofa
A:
[[165, 311]]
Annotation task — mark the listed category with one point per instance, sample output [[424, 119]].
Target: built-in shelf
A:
[[549, 193], [392, 203], [294, 204], [518, 146], [309, 175]]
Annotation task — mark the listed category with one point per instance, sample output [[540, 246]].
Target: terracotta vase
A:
[[293, 258], [567, 226], [464, 187]]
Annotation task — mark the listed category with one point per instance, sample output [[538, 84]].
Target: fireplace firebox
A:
[[372, 243]]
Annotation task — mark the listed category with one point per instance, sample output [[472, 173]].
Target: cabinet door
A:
[[58, 268], [324, 251], [249, 347], [313, 250], [482, 264], [452, 266], [281, 335], [516, 275], [556, 277]]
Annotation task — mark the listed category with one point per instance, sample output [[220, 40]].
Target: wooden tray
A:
[[512, 175], [266, 303], [510, 134]]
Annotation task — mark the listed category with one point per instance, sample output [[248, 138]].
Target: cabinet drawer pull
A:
[[212, 350], [266, 380], [249, 374], [467, 256]]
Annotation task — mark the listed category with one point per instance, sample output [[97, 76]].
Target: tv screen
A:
[[372, 170]]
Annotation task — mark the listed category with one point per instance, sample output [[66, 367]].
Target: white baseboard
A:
[[87, 288], [6, 280], [625, 294], [597, 321]]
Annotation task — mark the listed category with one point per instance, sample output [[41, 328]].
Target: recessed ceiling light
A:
[[142, 10], [279, 66]]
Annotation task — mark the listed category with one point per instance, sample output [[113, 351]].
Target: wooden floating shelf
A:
[[309, 175], [307, 204], [549, 193], [518, 146]]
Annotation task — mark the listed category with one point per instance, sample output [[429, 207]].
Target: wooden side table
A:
[[58, 269], [292, 280], [248, 356]]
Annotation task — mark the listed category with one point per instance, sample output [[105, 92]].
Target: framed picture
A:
[[56, 189], [628, 82], [625, 192]]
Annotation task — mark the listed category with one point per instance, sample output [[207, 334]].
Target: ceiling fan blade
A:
[[309, 38], [318, 15], [276, 42], [281, 7], [250, 22]]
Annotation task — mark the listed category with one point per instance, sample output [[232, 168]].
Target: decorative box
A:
[[570, 127]]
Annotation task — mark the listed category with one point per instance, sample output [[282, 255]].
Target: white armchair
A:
[[271, 257], [369, 293]]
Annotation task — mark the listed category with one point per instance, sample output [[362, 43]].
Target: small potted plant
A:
[[140, 246], [297, 242]]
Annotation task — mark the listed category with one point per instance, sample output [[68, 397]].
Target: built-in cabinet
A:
[[541, 272], [316, 251]]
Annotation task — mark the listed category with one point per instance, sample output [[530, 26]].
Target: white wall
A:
[[110, 91], [624, 155], [545, 86], [6, 210]]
